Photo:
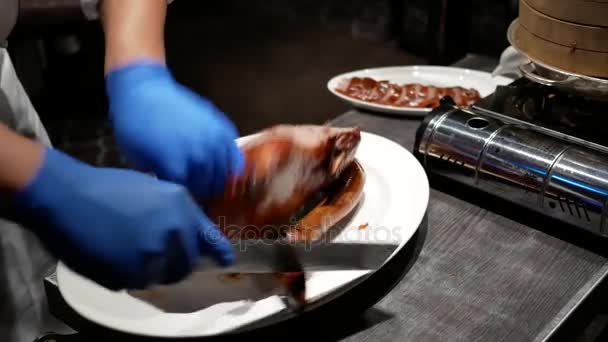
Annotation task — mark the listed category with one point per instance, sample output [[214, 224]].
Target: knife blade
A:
[[262, 256]]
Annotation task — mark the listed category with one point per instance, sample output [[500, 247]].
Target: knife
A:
[[270, 256]]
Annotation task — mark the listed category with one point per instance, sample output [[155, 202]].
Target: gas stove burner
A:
[[516, 160], [549, 109]]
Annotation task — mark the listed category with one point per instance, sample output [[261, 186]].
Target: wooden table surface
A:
[[481, 275], [483, 270]]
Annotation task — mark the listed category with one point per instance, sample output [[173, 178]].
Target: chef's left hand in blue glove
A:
[[166, 128]]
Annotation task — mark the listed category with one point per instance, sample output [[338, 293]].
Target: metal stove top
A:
[[527, 144], [551, 111]]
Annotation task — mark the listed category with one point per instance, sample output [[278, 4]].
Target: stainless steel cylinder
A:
[[517, 164]]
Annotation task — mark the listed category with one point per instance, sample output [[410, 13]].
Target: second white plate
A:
[[439, 76]]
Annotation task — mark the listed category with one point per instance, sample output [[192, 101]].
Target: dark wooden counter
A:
[[482, 270], [482, 274]]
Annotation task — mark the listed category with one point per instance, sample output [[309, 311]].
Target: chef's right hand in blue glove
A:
[[164, 127], [120, 228]]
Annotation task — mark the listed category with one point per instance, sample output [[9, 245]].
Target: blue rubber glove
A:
[[163, 127], [118, 227]]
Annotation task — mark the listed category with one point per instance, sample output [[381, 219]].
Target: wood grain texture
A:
[[481, 275]]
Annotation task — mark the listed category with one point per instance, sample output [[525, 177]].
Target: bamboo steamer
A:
[[574, 47], [586, 12]]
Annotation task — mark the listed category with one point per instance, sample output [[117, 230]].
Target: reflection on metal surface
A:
[[517, 163]]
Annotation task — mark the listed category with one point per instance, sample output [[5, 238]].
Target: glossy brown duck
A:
[[286, 168]]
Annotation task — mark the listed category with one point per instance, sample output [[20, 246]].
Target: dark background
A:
[[262, 62]]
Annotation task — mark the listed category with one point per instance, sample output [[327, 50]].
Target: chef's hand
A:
[[118, 227], [164, 127]]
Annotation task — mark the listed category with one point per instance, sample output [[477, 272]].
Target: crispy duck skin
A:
[[412, 95], [285, 166]]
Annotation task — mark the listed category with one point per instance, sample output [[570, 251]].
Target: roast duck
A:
[[413, 95], [298, 181]]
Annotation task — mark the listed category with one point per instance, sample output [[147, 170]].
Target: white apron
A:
[[23, 261]]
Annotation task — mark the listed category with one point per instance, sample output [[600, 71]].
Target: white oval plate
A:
[[439, 76], [396, 193]]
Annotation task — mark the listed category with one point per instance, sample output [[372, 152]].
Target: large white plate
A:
[[439, 76], [395, 199]]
